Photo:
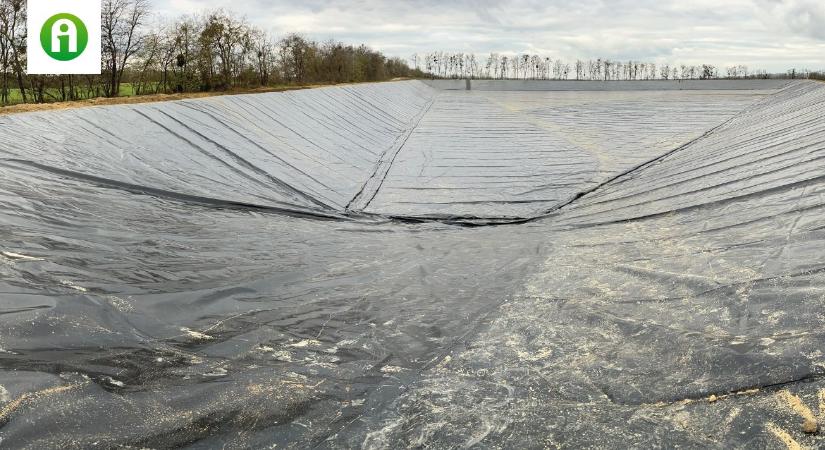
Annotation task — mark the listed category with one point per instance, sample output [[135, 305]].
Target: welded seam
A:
[[653, 161], [705, 188], [283, 208], [373, 184], [739, 116], [643, 165], [749, 390], [724, 201], [476, 221], [295, 192], [752, 154], [371, 187]]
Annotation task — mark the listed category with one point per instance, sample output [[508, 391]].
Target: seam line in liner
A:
[[373, 184], [504, 220], [286, 209], [655, 160], [511, 220]]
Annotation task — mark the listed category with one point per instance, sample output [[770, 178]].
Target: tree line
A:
[[218, 50], [210, 51], [535, 67]]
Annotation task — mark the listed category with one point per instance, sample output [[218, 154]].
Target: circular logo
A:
[[64, 37]]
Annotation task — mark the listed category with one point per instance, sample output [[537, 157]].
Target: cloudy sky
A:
[[763, 34]]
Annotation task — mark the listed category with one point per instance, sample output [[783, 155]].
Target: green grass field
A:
[[53, 95]]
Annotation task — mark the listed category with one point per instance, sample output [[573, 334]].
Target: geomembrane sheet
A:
[[404, 264]]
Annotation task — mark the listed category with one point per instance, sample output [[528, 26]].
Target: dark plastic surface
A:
[[157, 291]]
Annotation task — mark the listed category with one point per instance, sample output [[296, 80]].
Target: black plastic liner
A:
[[202, 274]]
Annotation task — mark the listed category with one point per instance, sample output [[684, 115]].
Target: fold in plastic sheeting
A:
[[285, 270]]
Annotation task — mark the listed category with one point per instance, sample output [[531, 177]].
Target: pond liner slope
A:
[[677, 301]]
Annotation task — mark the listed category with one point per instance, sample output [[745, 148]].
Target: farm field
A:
[[412, 263], [126, 90], [128, 96]]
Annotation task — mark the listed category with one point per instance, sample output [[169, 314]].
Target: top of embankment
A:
[[588, 85], [154, 98]]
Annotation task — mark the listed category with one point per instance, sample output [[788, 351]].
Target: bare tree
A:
[[665, 72], [149, 58], [558, 69], [708, 72], [13, 34], [121, 23], [5, 50]]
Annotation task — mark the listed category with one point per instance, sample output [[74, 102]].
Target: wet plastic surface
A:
[[153, 296]]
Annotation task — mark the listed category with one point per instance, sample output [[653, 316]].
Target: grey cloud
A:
[[720, 32], [801, 17]]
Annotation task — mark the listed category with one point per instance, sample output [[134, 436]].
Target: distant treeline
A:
[[214, 50], [817, 76], [217, 50], [535, 67]]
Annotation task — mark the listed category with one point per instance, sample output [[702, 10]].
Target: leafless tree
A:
[[122, 37], [13, 35], [665, 72]]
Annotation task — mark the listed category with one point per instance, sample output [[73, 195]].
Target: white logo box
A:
[[40, 63]]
